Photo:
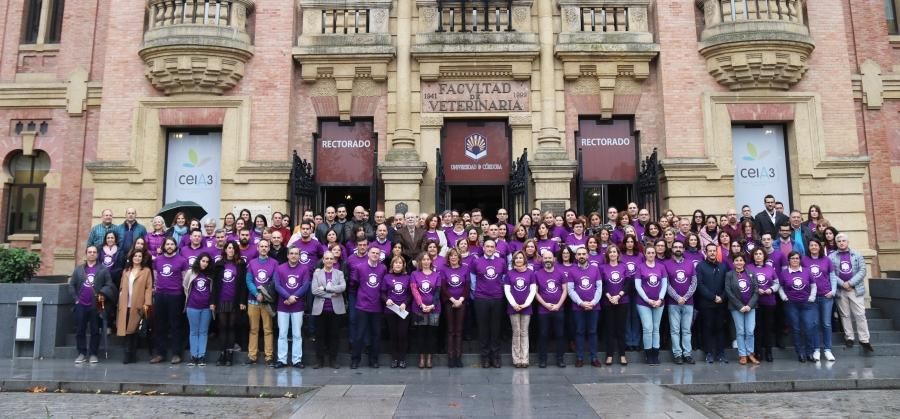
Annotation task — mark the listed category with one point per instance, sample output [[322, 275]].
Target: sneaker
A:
[[829, 356], [689, 360], [299, 365], [156, 359], [93, 359], [816, 356], [867, 346], [848, 343], [278, 365], [80, 359], [175, 359], [270, 363], [721, 359], [201, 361], [236, 348], [679, 360], [192, 362], [709, 359]]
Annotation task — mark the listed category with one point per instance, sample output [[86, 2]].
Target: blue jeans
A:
[[802, 318], [586, 327], [744, 328], [368, 329], [650, 319], [632, 325], [680, 319], [823, 333], [198, 322], [88, 323], [293, 322]]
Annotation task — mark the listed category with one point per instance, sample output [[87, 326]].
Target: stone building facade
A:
[[427, 104]]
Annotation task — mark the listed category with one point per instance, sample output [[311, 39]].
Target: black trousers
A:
[[714, 321], [227, 327], [328, 326], [552, 326], [614, 328], [398, 329], [764, 331], [368, 329], [88, 323], [169, 325], [489, 312], [455, 321], [426, 339]]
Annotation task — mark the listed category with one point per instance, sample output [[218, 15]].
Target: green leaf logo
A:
[[193, 160]]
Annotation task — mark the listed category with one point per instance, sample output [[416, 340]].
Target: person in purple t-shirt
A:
[[617, 289], [395, 292], [194, 247], [89, 285], [367, 278], [741, 288], [425, 286], [260, 296], [230, 297], [455, 292], [680, 299], [798, 291], [651, 283], [820, 271], [767, 288], [551, 297], [585, 289], [849, 272], [168, 304], [199, 306], [292, 281], [519, 289], [488, 272]]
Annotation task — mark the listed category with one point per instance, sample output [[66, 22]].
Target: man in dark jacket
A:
[[359, 220], [768, 220], [89, 285], [712, 303]]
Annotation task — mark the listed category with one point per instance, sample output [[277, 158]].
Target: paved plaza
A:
[[609, 392]]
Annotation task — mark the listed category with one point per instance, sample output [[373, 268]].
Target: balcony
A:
[[756, 44], [454, 38], [196, 46], [607, 40]]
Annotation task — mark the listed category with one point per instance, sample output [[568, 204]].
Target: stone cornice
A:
[[44, 95]]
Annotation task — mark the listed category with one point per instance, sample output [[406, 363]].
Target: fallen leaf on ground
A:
[[37, 389]]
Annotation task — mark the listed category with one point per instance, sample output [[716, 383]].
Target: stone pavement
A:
[[869, 404], [636, 390]]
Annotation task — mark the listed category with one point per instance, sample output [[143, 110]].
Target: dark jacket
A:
[[280, 255], [351, 225], [103, 284], [241, 294], [710, 283], [733, 291], [764, 223], [322, 230], [412, 243]]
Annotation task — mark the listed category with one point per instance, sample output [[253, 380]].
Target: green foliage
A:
[[18, 265]]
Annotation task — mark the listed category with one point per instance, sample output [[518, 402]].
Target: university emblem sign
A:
[[476, 146]]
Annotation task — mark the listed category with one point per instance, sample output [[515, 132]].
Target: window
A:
[[890, 12], [25, 199], [42, 21]]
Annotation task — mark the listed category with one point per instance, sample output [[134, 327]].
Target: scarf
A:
[[178, 232]]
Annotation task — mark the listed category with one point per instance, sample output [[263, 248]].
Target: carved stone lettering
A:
[[476, 96]]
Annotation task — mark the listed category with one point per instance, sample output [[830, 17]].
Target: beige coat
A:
[[142, 295]]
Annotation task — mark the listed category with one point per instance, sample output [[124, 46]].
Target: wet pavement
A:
[[869, 404]]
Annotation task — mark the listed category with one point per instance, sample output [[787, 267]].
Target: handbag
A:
[[143, 328]]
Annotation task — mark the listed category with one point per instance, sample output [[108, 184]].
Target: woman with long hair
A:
[[652, 233], [519, 236], [259, 227], [651, 283], [454, 293], [229, 296], [632, 257], [619, 233], [698, 221], [199, 305], [829, 240], [595, 224], [544, 239], [798, 291], [531, 253], [425, 285], [246, 216], [710, 231], [616, 290], [111, 255], [741, 290], [473, 241], [179, 228], [820, 268], [228, 223], [135, 299], [749, 236], [395, 292], [814, 217], [767, 288]]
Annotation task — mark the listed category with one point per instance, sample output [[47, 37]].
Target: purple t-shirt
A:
[[384, 247], [453, 236], [550, 245], [845, 268], [250, 253], [109, 259], [585, 281], [229, 284], [679, 275], [765, 279], [559, 232], [489, 277], [796, 284], [310, 252], [200, 293], [820, 273], [368, 283], [551, 286], [190, 254], [515, 246], [596, 259], [502, 248], [168, 271], [291, 279], [326, 304], [631, 263], [776, 260], [209, 241], [86, 296], [651, 281], [395, 287], [614, 278], [519, 287], [574, 242], [261, 271], [429, 287], [743, 280], [455, 279], [432, 236]]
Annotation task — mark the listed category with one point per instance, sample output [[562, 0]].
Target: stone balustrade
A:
[[605, 21], [755, 44], [197, 46]]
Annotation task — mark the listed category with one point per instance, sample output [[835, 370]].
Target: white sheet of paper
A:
[[396, 309]]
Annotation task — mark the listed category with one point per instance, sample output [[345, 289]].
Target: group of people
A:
[[440, 277]]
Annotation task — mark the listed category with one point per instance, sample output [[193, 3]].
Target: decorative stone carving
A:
[[767, 48], [183, 56]]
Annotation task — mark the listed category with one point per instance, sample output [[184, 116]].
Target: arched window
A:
[[25, 197]]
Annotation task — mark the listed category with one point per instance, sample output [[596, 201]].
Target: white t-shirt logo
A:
[[845, 267], [227, 276], [304, 258], [292, 282], [761, 279], [585, 283], [454, 280], [551, 287], [797, 284], [262, 277], [490, 272], [652, 280], [680, 277], [373, 281], [201, 285], [167, 270], [520, 284], [89, 280], [742, 284]]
